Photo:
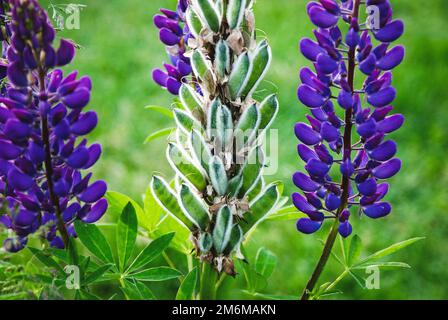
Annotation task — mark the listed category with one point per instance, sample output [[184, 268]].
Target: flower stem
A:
[[345, 180], [209, 276], [49, 170]]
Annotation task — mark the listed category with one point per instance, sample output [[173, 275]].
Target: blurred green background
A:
[[120, 47]]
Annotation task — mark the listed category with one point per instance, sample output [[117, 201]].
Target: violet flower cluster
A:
[[42, 122], [326, 142], [174, 33]]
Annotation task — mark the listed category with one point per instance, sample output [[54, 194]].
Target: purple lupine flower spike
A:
[[42, 124], [363, 165], [174, 33]]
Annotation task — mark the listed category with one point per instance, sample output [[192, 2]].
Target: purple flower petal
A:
[[310, 49], [310, 97], [308, 226], [368, 187], [94, 192], [173, 86], [377, 210], [387, 169], [95, 151], [65, 53], [302, 204], [168, 37], [392, 58], [19, 181], [303, 182], [321, 17], [390, 32], [345, 229], [8, 151], [391, 123], [332, 201], [382, 98], [384, 151], [85, 124], [78, 158], [305, 153], [96, 212], [17, 75], [317, 168], [306, 134], [329, 132], [159, 77], [78, 99]]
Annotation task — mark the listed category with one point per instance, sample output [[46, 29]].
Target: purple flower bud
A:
[[345, 229], [304, 182], [308, 226], [377, 210]]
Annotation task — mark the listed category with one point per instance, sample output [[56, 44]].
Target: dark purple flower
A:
[[365, 111], [42, 152], [174, 33]]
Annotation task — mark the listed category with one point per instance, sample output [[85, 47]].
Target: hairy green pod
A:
[[185, 122], [189, 98], [223, 229], [260, 62], [222, 59], [208, 12], [205, 242], [218, 176], [251, 171], [268, 110], [200, 64], [239, 75], [261, 207], [194, 207], [194, 23], [235, 13], [220, 123], [200, 149], [247, 126], [166, 198], [236, 237], [184, 167]]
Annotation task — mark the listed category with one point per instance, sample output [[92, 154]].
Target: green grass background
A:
[[120, 47]]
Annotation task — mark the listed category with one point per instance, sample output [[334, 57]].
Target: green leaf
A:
[[126, 234], [384, 265], [222, 229], [239, 75], [156, 274], [117, 201], [208, 13], [162, 110], [268, 110], [135, 290], [389, 250], [97, 274], [359, 280], [188, 287], [167, 199], [159, 134], [247, 126], [152, 251], [194, 207], [265, 262], [222, 59], [260, 65], [47, 260], [286, 214], [355, 250], [186, 122], [218, 175], [261, 207], [184, 166], [153, 212], [92, 238], [235, 13]]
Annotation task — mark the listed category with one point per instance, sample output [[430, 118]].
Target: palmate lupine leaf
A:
[[126, 234], [188, 287], [92, 238], [265, 262], [155, 274]]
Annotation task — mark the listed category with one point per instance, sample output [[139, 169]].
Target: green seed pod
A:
[[223, 229], [222, 59], [239, 75], [205, 242], [268, 111], [251, 171], [235, 13], [218, 176], [260, 62], [200, 64], [194, 23], [166, 198], [184, 167], [200, 149], [236, 237], [189, 98], [247, 126], [194, 207], [220, 123], [208, 13], [186, 122]]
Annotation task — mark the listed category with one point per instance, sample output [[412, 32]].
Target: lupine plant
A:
[[42, 152], [363, 163], [219, 193]]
